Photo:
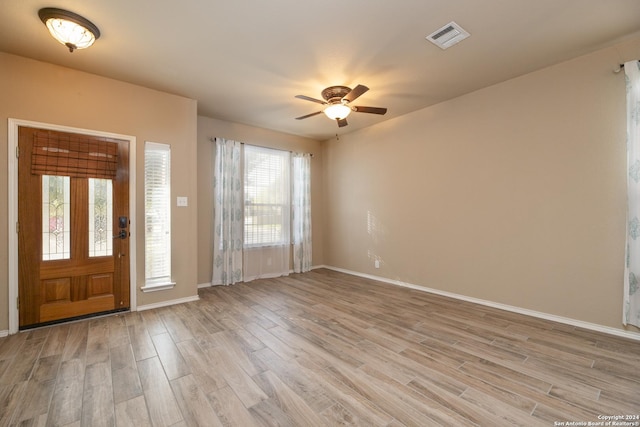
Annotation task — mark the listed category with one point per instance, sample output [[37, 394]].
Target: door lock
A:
[[123, 221], [121, 235]]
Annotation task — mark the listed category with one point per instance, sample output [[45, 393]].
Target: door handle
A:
[[121, 235]]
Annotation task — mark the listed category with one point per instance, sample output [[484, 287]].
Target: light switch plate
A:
[[183, 201]]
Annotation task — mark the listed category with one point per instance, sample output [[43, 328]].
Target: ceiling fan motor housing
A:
[[335, 93]]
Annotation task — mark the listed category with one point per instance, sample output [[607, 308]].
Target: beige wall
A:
[[46, 93], [211, 128], [513, 194]]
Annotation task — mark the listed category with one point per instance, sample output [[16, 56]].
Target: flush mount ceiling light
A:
[[70, 29]]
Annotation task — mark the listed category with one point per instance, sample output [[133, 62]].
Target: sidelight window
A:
[[157, 209]]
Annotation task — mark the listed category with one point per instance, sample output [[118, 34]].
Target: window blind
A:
[[157, 207], [267, 194], [74, 155]]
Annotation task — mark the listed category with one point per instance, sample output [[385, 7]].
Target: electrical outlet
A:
[[377, 263]]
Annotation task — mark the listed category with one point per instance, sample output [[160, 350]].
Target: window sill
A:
[[158, 287]]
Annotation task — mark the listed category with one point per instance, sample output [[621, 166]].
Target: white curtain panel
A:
[[301, 212], [266, 262], [631, 308], [228, 213]]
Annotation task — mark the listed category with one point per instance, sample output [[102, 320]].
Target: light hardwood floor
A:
[[316, 349]]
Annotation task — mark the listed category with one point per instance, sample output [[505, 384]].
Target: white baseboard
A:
[[4, 333], [204, 285], [167, 303], [560, 319]]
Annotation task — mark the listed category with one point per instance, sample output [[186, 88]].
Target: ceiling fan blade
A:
[[372, 110], [308, 98], [308, 115], [356, 92], [342, 122]]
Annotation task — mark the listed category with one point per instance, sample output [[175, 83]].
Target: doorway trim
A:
[[12, 145]]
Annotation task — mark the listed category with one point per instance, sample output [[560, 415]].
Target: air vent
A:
[[448, 35]]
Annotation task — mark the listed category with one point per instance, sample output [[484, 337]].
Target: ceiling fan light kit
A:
[[337, 111], [70, 29], [337, 101]]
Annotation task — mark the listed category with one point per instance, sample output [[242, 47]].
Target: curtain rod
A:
[[620, 67], [212, 139]]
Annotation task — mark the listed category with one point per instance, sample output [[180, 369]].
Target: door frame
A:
[[12, 145]]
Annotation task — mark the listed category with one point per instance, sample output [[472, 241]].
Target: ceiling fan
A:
[[337, 102]]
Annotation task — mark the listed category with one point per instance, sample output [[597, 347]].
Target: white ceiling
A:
[[244, 61]]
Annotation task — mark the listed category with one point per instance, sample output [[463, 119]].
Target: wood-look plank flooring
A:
[[316, 349]]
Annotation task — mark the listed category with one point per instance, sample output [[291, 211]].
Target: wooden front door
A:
[[73, 231]]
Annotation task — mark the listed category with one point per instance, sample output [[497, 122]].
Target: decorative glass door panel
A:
[[56, 218], [100, 217]]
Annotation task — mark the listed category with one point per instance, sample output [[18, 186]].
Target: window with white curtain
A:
[[157, 209], [267, 190]]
